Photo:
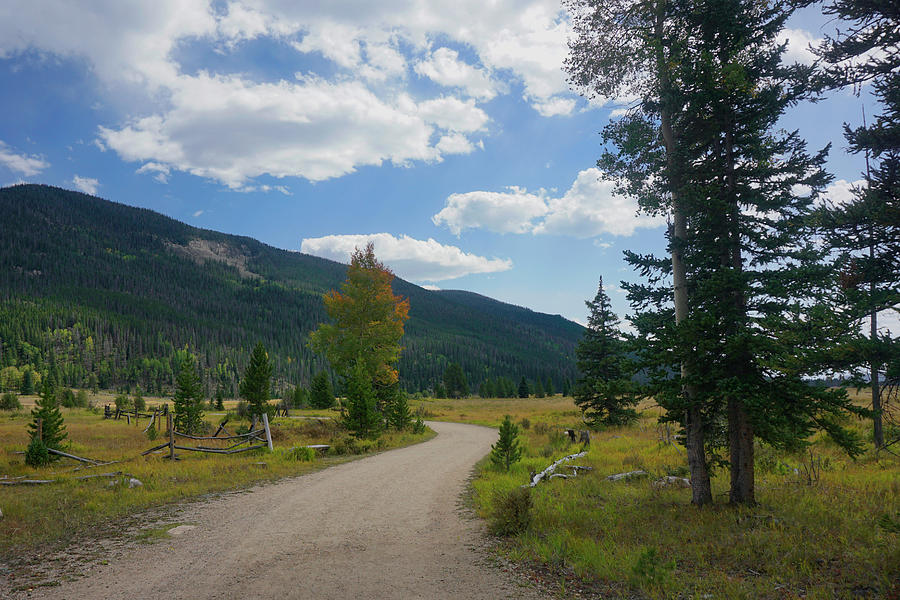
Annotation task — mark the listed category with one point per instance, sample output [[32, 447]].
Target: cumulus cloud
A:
[[512, 211], [798, 46], [21, 163], [445, 68], [230, 126], [589, 208], [88, 185], [412, 259], [841, 192]]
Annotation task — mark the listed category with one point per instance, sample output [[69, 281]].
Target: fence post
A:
[[171, 430], [265, 417]]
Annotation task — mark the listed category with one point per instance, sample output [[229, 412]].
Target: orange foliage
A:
[[367, 320]]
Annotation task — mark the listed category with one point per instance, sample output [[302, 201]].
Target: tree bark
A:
[[701, 491], [877, 433]]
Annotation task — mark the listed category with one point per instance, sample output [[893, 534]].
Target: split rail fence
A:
[[237, 441]]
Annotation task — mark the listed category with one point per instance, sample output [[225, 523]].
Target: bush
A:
[[525, 424], [9, 401], [123, 402], [37, 455], [511, 512], [82, 400], [418, 426], [243, 409], [541, 428], [67, 398]]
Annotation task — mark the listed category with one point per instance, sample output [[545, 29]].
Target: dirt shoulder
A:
[[387, 526]]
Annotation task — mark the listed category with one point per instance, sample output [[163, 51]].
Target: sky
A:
[[443, 131]]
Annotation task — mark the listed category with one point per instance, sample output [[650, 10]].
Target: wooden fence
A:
[[236, 446]]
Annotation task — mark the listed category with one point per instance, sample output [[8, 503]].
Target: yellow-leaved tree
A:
[[367, 322]]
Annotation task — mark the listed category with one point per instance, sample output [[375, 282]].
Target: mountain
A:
[[111, 292]]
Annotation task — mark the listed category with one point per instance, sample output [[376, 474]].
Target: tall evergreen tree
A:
[[188, 399], [604, 392], [257, 382], [744, 277], [866, 231]]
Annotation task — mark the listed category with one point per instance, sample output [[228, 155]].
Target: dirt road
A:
[[387, 526]]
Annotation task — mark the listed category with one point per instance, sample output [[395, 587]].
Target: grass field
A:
[[41, 514], [826, 526]]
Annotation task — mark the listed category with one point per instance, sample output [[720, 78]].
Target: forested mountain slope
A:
[[109, 292]]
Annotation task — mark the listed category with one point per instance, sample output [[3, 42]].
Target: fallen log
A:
[[255, 433], [546, 473], [154, 449], [27, 481], [629, 475], [102, 464], [215, 451], [72, 456]]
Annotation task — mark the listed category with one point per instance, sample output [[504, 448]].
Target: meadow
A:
[[826, 526], [38, 515]]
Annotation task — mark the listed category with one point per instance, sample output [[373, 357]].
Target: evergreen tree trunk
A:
[[701, 491], [877, 431]]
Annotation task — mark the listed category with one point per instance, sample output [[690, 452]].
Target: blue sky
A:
[[446, 130]]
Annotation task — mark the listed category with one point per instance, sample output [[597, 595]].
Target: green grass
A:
[[42, 514], [820, 539]]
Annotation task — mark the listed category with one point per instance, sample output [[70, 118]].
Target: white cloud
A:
[[555, 106], [412, 259], [453, 114], [231, 130], [21, 163], [232, 126], [455, 143], [798, 42], [841, 192], [513, 211], [197, 213], [88, 185], [445, 68], [432, 288], [589, 208]]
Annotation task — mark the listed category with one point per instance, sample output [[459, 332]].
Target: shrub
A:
[[651, 569], [511, 512], [82, 400], [9, 401], [541, 428], [67, 398], [243, 409], [37, 455], [123, 402], [418, 426], [525, 423]]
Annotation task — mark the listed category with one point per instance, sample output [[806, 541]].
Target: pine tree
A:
[[523, 388], [455, 381], [507, 450], [27, 382], [257, 382], [138, 399], [439, 391], [538, 389], [322, 394], [46, 408], [866, 232], [362, 417], [548, 387], [399, 414], [188, 400], [220, 398], [604, 392]]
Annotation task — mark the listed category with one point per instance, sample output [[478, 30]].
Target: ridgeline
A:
[[109, 294]]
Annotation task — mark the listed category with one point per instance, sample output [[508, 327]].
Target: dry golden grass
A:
[[39, 514]]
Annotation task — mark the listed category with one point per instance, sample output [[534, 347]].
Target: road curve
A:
[[386, 526]]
